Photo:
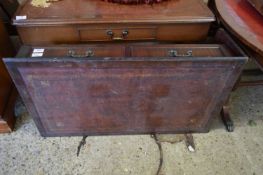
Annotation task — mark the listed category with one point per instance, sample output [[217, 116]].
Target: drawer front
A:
[[123, 96], [117, 34], [180, 50], [78, 51], [38, 35], [130, 50]]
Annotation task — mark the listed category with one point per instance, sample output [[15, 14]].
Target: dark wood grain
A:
[[6, 86], [136, 92], [62, 23]]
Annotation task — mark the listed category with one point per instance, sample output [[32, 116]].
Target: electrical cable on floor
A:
[[161, 153], [81, 144]]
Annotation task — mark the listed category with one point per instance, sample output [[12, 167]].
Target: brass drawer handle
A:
[[73, 54], [124, 34], [174, 53]]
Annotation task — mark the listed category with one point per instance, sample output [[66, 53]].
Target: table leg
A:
[[228, 122]]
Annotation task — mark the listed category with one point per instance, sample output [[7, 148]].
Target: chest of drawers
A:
[[84, 21], [90, 67], [130, 88]]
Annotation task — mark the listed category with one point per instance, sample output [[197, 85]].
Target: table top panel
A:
[[243, 21]]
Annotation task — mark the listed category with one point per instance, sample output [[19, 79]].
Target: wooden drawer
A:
[[117, 34], [185, 50], [76, 51], [138, 92], [129, 50], [44, 35], [96, 21]]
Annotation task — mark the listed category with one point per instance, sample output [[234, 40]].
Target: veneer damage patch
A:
[[42, 3]]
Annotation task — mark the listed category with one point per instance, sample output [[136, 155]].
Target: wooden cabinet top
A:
[[97, 11]]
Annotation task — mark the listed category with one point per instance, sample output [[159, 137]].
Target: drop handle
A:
[[73, 54], [174, 53], [123, 36]]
